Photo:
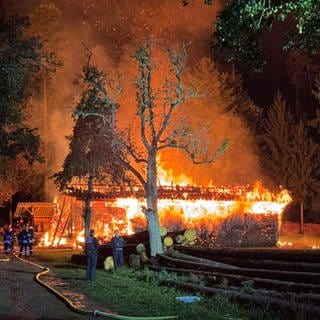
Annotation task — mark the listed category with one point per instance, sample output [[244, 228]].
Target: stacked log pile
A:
[[240, 230], [287, 281]]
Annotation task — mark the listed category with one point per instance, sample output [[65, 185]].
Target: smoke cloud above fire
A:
[[112, 29]]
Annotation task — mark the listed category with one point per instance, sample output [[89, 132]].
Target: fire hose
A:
[[72, 307]]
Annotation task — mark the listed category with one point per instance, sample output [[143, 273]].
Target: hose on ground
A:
[[72, 307], [4, 259]]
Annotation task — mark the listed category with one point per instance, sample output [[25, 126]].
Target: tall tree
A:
[[275, 140], [21, 59], [302, 71], [315, 123], [93, 145], [156, 110], [289, 155], [303, 181]]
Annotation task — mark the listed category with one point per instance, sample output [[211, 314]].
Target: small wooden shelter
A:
[[39, 214]]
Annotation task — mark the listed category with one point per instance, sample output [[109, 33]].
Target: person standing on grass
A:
[[117, 244], [91, 249]]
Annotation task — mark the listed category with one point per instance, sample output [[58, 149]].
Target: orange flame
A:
[[181, 208]]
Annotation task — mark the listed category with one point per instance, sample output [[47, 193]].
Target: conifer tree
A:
[[305, 164], [94, 147], [315, 123], [275, 140], [22, 58], [289, 155]]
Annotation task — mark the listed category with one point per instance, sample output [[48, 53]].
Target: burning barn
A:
[[230, 216]]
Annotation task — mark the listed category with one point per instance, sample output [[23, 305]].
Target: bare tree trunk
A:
[[87, 207], [301, 231], [154, 232], [151, 212]]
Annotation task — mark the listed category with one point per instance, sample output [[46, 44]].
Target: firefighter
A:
[[91, 249], [13, 238], [117, 244], [6, 241], [30, 239], [23, 239]]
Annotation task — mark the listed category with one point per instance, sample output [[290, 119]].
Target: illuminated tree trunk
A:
[[88, 207], [151, 212], [301, 231]]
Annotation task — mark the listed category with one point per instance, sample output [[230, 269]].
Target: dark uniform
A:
[[92, 247], [117, 244], [30, 239], [7, 241], [13, 239], [23, 239]]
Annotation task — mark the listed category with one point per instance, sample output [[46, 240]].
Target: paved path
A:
[[22, 298]]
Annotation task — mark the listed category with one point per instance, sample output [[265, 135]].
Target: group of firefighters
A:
[[22, 235]]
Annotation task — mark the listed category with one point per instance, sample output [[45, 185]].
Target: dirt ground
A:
[[291, 238], [24, 299]]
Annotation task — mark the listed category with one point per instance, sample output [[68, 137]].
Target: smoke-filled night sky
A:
[[112, 29]]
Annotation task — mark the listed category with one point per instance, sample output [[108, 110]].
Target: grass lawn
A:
[[138, 293]]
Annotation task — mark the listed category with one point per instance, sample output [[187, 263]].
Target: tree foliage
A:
[[241, 24], [275, 139], [20, 61], [22, 58], [94, 147], [290, 156], [315, 123]]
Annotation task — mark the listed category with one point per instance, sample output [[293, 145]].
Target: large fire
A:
[[180, 207]]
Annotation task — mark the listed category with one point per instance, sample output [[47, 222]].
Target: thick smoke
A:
[[112, 29]]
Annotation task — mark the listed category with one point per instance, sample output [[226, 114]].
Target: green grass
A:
[[55, 256], [138, 293]]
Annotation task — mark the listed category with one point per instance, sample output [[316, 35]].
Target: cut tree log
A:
[[272, 264], [163, 231], [190, 235], [216, 278], [308, 255], [290, 309], [168, 241], [179, 255], [303, 277], [108, 263]]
